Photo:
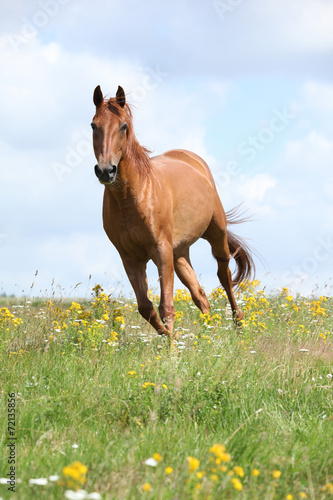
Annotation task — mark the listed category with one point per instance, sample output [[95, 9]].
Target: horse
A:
[[155, 208]]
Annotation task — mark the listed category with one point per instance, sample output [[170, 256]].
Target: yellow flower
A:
[[239, 471], [303, 495], [131, 373], [255, 473], [148, 384], [328, 487], [168, 470], [289, 497], [75, 471], [193, 463], [276, 474], [237, 484], [146, 487], [219, 451], [164, 386], [200, 474], [119, 319], [157, 457], [214, 477]]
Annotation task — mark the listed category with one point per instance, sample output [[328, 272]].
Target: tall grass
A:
[[221, 413]]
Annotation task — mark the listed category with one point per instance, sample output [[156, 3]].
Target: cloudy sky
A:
[[247, 84]]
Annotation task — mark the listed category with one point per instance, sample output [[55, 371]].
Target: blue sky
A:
[[245, 84]]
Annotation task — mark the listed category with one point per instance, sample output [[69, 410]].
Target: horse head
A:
[[111, 125]]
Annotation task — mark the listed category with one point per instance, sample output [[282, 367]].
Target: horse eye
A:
[[123, 127], [93, 126]]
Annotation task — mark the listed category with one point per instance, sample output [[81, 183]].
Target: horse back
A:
[[184, 157]]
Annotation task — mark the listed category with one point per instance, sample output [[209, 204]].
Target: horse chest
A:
[[130, 232]]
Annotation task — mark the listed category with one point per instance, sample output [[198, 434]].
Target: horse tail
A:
[[239, 249]]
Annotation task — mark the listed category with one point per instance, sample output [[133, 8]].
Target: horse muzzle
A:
[[106, 175]]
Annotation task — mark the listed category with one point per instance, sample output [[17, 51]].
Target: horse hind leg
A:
[[224, 275], [186, 274], [216, 235]]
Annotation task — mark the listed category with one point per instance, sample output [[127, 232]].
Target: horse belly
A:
[[193, 211]]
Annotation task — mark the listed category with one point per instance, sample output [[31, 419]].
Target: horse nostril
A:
[[98, 172], [112, 169]]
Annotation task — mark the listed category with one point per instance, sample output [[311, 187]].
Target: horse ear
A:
[[98, 96], [120, 97]]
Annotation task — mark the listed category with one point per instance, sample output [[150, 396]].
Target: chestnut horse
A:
[[156, 208]]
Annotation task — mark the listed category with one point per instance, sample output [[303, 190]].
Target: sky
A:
[[246, 84]]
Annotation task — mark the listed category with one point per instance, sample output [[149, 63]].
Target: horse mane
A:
[[137, 154]]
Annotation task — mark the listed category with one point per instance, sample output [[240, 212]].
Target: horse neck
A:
[[135, 166], [134, 173]]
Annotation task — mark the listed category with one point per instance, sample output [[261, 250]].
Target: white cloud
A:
[[312, 153], [302, 24], [318, 96], [255, 189]]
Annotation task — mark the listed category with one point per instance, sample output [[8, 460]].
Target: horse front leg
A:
[[136, 272], [165, 265]]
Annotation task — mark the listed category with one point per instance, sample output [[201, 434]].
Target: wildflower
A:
[[152, 462], [255, 473], [146, 487], [148, 384], [119, 319], [303, 495], [328, 487], [193, 463], [237, 484], [76, 495], [164, 386], [75, 472], [42, 481], [200, 474], [54, 478], [289, 497], [239, 471], [276, 474], [214, 477], [131, 373], [157, 457], [168, 471], [219, 451]]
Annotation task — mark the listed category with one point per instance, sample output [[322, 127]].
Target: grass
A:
[[221, 413]]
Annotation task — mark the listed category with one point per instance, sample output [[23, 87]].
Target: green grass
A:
[[94, 374]]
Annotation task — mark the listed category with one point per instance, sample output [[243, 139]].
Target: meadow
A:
[[100, 406]]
